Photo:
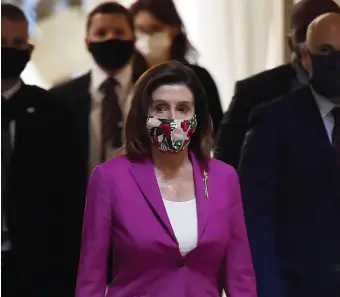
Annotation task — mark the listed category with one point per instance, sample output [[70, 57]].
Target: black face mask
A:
[[13, 62], [326, 74], [112, 54]]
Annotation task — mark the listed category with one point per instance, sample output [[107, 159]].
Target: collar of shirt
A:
[[302, 76], [123, 78], [10, 92], [325, 105]]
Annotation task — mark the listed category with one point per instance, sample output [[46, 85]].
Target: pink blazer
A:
[[124, 209]]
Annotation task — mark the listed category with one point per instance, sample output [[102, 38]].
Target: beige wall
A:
[[288, 4], [60, 48], [235, 38]]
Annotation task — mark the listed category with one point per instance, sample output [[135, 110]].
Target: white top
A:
[[183, 219], [326, 107], [123, 90]]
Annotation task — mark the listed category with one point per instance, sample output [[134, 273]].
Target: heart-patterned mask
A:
[[170, 135]]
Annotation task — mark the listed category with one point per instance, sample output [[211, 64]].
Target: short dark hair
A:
[[109, 7], [12, 12], [166, 12], [305, 11], [137, 139]]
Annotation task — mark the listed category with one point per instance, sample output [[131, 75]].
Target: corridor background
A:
[[234, 38]]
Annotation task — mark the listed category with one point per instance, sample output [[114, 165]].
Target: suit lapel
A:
[[15, 107], [24, 110], [144, 175], [315, 130], [201, 200], [81, 110], [83, 103]]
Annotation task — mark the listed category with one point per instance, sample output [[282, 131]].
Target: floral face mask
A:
[[170, 135]]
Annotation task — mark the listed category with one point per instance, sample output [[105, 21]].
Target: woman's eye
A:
[[183, 109], [160, 108]]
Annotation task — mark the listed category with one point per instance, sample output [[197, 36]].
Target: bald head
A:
[[321, 56], [323, 34], [304, 12]]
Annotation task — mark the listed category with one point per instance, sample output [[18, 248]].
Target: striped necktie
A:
[[111, 115]]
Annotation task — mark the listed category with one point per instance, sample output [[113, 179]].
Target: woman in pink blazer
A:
[[172, 215]]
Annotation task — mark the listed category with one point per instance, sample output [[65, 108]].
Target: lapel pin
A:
[[204, 172], [205, 181], [30, 110]]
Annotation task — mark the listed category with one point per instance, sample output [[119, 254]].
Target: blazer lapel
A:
[[316, 133], [201, 199], [81, 109], [15, 107], [144, 175]]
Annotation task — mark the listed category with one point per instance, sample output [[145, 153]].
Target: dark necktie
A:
[[111, 118], [6, 154], [336, 133]]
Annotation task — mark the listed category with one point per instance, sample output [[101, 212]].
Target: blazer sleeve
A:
[[260, 180], [239, 274], [233, 129], [92, 272]]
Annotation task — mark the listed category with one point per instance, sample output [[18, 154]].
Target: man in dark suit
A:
[[98, 102], [268, 85], [30, 172], [290, 178]]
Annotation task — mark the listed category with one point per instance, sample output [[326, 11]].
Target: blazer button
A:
[[337, 267]]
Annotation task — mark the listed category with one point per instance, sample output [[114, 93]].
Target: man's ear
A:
[[306, 60], [289, 41], [31, 49], [87, 43]]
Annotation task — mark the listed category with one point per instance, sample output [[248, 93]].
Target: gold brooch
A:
[[205, 181]]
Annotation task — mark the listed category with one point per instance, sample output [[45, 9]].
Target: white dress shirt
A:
[[123, 90], [326, 107], [183, 219], [6, 246]]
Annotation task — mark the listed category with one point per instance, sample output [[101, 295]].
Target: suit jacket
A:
[[75, 97], [124, 207], [32, 187], [291, 193], [249, 94]]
